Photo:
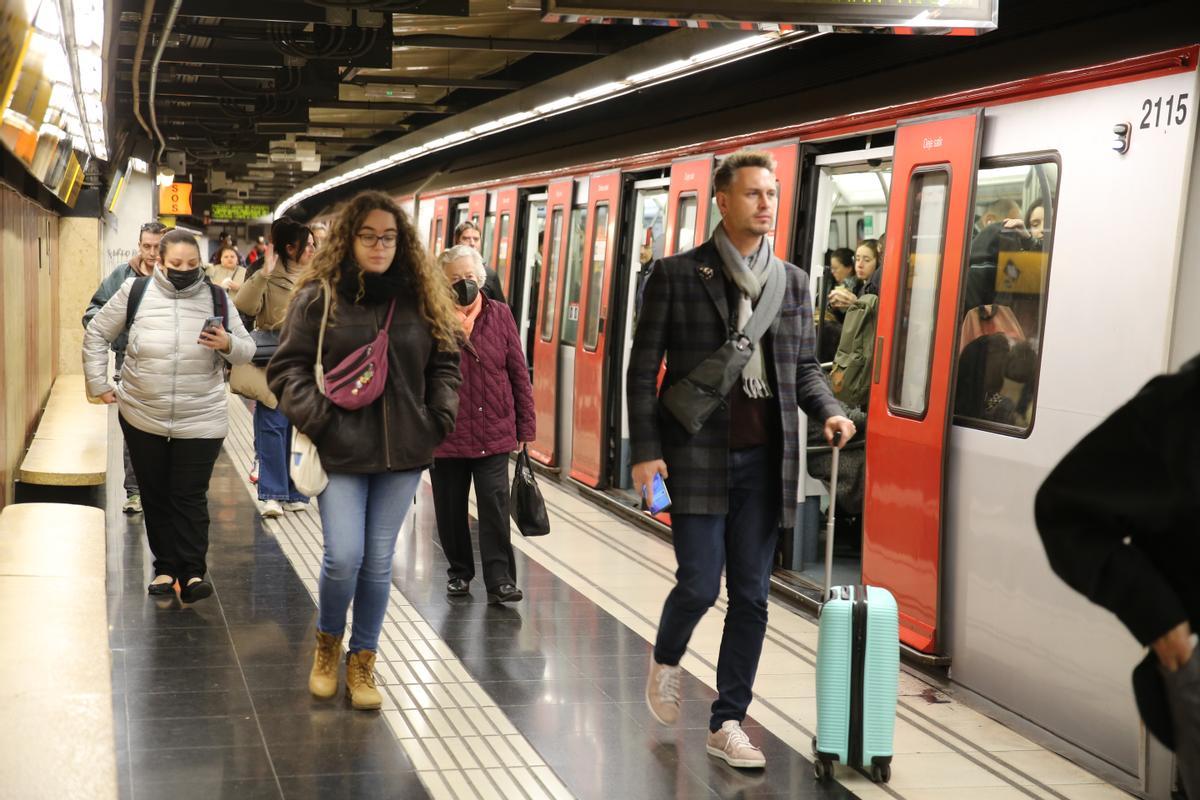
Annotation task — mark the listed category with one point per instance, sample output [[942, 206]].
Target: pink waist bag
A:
[[359, 378]]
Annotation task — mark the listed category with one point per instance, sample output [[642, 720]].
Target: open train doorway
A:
[[849, 223], [525, 290]]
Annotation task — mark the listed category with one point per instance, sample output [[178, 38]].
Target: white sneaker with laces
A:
[[732, 744], [295, 506], [133, 504], [271, 509], [662, 692]]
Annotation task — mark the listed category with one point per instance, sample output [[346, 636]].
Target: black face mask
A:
[[183, 278], [466, 292]]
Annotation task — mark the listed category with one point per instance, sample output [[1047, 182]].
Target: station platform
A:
[[538, 699]]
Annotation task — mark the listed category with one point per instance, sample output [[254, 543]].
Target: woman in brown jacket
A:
[[265, 297], [374, 456]]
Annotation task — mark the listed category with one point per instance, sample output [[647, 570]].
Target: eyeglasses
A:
[[388, 240]]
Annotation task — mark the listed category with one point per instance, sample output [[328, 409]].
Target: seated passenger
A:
[[851, 373], [495, 417], [840, 274], [1001, 229], [1035, 223]]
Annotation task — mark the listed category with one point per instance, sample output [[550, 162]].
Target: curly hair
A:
[[434, 297]]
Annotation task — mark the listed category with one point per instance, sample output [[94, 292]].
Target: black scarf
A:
[[374, 288]]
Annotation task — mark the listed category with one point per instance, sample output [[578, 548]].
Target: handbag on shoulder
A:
[[304, 462]]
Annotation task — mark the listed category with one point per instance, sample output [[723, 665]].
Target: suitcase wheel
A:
[[881, 773], [822, 770]]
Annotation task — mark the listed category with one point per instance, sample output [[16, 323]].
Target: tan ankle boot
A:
[[360, 680], [323, 680]]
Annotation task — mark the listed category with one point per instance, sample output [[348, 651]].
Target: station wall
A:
[[29, 302]]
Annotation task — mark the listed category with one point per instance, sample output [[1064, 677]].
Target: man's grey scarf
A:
[[760, 286]]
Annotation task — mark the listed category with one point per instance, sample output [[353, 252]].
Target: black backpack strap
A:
[[220, 304], [135, 299]]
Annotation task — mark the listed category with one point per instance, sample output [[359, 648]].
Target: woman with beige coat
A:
[[265, 296]]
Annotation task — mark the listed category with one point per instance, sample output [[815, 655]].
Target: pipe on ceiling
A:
[[162, 45], [143, 31], [555, 46]]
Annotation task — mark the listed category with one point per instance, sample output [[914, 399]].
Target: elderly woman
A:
[[495, 417]]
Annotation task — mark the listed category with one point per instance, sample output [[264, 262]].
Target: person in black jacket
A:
[[468, 233], [1118, 517], [377, 276]]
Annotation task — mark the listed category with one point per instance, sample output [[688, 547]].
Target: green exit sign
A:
[[230, 211]]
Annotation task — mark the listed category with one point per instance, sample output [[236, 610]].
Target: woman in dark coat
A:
[[372, 269], [495, 417]]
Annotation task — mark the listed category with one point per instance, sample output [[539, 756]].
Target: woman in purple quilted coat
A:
[[495, 417]]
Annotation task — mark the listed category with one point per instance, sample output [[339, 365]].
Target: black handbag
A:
[[265, 345], [693, 398], [527, 507]]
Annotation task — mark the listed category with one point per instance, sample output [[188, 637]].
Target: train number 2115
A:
[[1176, 111]]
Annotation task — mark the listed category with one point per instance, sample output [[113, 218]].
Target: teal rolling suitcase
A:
[[858, 671]]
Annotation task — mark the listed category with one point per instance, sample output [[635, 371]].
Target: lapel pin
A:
[[706, 273]]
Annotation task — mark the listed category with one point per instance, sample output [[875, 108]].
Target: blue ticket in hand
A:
[[660, 500]]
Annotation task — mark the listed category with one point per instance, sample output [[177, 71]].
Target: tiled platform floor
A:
[[542, 698]]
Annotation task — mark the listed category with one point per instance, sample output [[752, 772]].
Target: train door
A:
[[488, 231], [527, 287], [855, 181], [688, 209], [909, 412], [588, 454], [547, 321], [437, 229], [570, 314], [505, 238], [646, 242], [477, 208]]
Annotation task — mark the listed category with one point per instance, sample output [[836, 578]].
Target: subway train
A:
[[1059, 203]]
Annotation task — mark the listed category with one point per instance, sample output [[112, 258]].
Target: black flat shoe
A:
[[192, 592], [161, 588], [505, 593], [457, 587]]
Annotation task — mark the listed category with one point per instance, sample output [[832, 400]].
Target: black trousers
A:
[[451, 479], [173, 476]]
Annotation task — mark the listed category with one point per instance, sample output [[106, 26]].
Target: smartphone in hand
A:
[[659, 500], [212, 323]]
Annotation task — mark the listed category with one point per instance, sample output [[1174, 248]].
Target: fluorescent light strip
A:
[[674, 69]]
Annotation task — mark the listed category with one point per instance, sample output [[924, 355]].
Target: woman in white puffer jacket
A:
[[172, 402]]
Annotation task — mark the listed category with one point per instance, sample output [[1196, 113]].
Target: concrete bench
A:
[[56, 712], [68, 457]]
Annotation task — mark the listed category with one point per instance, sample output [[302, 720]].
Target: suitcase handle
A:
[[833, 481]]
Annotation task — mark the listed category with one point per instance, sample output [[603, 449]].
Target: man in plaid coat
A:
[[733, 483]]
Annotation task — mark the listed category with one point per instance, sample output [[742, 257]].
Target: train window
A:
[[556, 224], [438, 241], [502, 250], [574, 277], [460, 214], [685, 222], [1000, 322], [714, 216], [924, 231], [598, 253], [489, 227]]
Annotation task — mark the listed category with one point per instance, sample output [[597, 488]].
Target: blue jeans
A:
[[272, 443], [743, 541], [361, 517]]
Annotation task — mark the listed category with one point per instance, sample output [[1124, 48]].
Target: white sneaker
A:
[[133, 504], [295, 506], [662, 692], [271, 509], [732, 744]]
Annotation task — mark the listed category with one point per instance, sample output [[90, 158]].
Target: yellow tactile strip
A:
[[944, 749], [462, 744]]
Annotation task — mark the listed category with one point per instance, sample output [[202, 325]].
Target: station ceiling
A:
[[245, 90]]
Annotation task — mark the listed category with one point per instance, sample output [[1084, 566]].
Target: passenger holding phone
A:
[[172, 401], [735, 326]]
